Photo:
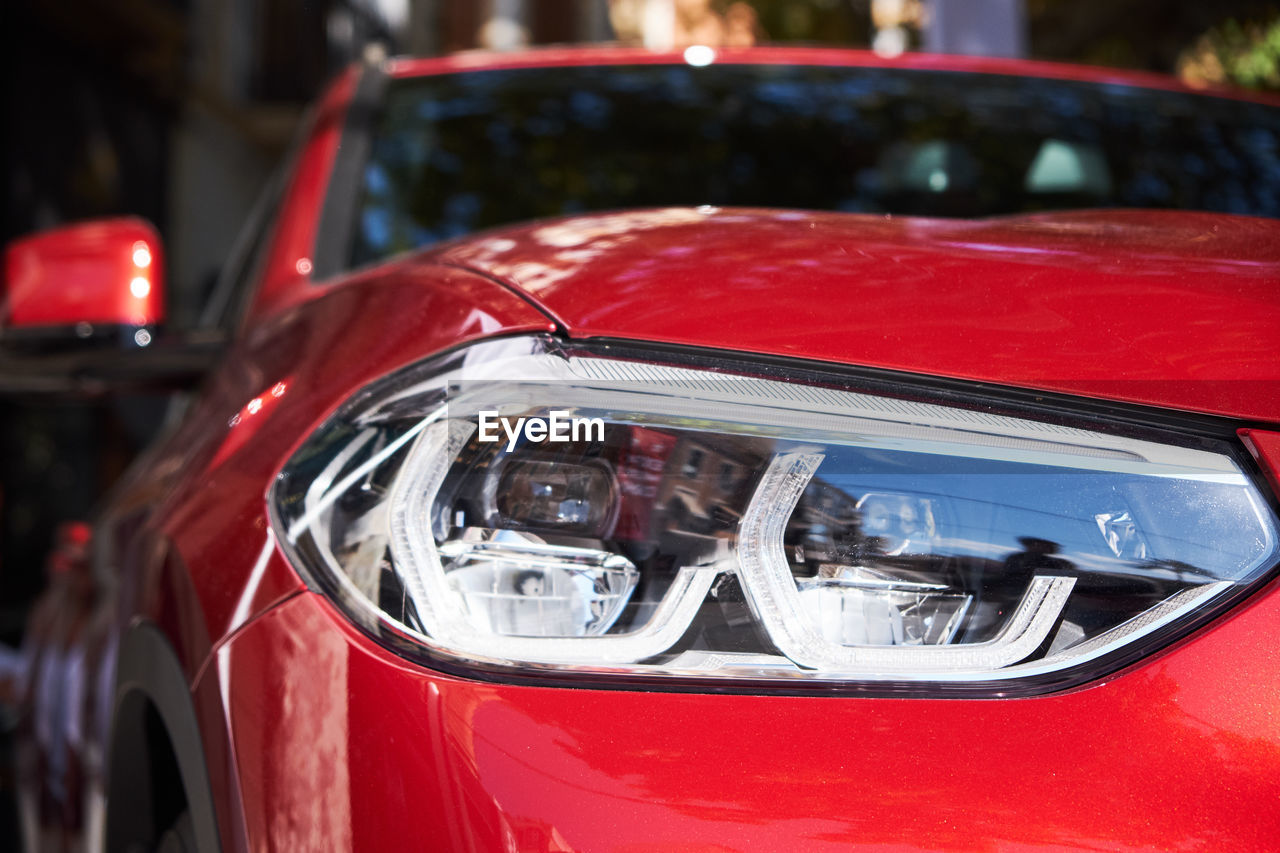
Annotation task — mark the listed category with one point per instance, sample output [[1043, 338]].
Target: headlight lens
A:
[[522, 506]]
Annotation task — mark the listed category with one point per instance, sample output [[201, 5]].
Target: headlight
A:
[[527, 506]]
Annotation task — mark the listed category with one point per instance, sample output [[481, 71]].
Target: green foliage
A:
[[1245, 55], [1252, 58]]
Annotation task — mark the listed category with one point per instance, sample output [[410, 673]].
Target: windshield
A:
[[453, 154]]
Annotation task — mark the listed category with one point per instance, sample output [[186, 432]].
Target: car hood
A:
[[1171, 309]]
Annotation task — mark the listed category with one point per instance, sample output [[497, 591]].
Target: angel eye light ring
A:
[[415, 545]]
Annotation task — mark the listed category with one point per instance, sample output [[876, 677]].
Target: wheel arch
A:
[[154, 742]]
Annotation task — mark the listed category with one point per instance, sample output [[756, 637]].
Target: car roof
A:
[[606, 55]]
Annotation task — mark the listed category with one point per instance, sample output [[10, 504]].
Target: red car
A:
[[573, 484]]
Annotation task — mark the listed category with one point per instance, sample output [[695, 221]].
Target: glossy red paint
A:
[[297, 368], [108, 271], [188, 526], [793, 55], [286, 277], [329, 761], [1180, 310], [1265, 447]]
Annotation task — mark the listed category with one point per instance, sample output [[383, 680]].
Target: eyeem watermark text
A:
[[558, 427]]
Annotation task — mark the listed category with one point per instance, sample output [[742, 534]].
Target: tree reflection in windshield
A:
[[457, 153]]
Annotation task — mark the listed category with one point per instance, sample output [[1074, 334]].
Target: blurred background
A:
[[178, 111]]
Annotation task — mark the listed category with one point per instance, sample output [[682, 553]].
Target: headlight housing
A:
[[529, 507]]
